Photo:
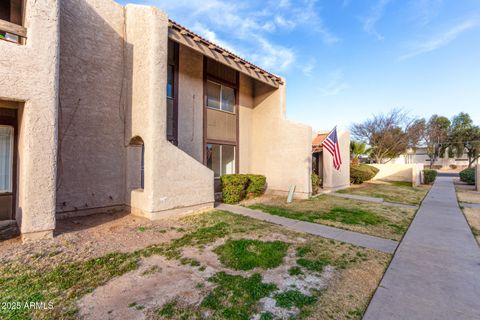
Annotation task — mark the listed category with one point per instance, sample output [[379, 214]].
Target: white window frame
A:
[[220, 98], [10, 182]]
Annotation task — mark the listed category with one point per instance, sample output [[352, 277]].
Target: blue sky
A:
[[347, 59]]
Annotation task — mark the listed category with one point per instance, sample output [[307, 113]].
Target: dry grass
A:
[[350, 291], [468, 195], [473, 218], [398, 192], [392, 221]]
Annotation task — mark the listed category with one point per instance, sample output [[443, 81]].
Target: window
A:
[[220, 97], [221, 159], [172, 99], [11, 11], [6, 158]]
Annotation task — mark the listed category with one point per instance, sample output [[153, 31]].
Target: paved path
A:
[[355, 238], [435, 273], [372, 199]]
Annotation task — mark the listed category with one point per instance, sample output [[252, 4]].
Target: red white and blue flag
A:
[[331, 145]]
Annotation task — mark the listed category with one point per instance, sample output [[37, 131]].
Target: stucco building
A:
[[106, 108], [322, 162]]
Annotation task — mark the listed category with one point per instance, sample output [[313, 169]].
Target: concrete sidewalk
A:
[[435, 273], [358, 239]]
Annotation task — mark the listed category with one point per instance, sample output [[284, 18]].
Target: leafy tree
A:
[[435, 136], [464, 137], [388, 135]]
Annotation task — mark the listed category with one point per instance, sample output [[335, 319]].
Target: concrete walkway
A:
[[435, 273], [358, 239], [372, 199]]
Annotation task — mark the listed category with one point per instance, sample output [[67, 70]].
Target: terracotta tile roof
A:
[[317, 142], [183, 30]]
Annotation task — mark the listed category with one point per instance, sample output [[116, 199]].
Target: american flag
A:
[[331, 145]]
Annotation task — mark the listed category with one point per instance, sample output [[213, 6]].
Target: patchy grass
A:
[[245, 254], [399, 192], [360, 216], [357, 272], [293, 298], [236, 297]]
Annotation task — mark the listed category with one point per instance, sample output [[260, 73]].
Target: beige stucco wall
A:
[[245, 102], [190, 102], [280, 149], [29, 73], [337, 179], [173, 179], [92, 95], [399, 172]]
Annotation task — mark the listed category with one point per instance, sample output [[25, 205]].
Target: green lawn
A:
[[399, 192], [360, 216]]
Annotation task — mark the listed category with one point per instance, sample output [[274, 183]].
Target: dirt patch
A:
[[85, 237], [133, 294]]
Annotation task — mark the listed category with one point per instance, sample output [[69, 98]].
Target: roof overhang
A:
[[187, 38]]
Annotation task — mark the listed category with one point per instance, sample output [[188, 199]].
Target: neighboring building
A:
[[322, 162], [106, 108], [420, 156]]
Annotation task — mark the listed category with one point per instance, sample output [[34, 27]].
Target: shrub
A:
[[235, 187], [362, 172], [315, 183], [429, 176], [256, 185], [468, 175], [453, 166]]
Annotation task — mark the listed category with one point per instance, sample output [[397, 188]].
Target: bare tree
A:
[[434, 136], [388, 135]]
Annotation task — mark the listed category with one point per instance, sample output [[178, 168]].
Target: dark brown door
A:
[[8, 157]]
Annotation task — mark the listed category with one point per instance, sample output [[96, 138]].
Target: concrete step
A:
[[8, 229]]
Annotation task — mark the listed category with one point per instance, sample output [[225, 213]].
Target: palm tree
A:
[[356, 149]]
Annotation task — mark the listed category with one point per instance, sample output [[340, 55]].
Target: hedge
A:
[[362, 172], [315, 183], [236, 187], [429, 176], [468, 175], [256, 185]]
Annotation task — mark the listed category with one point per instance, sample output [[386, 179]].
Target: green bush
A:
[[429, 176], [235, 187], [315, 183], [256, 185], [468, 175], [362, 172]]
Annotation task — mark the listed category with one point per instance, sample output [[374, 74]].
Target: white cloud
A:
[[246, 27], [376, 14], [422, 12], [308, 67], [442, 39], [273, 56], [335, 84]]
